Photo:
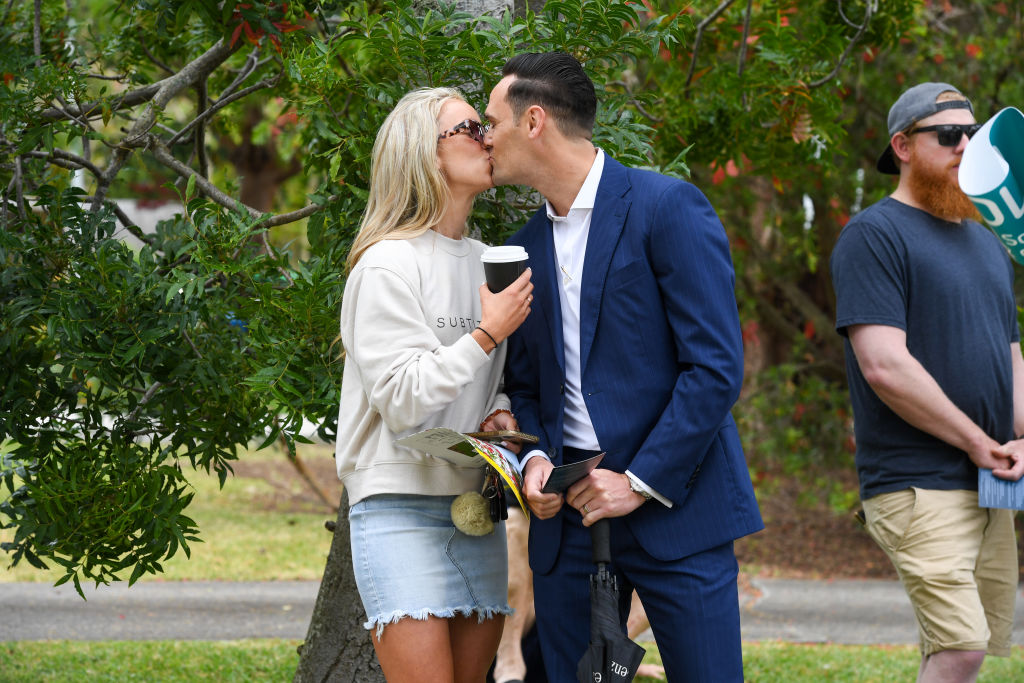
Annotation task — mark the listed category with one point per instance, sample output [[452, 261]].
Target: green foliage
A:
[[123, 365], [799, 426]]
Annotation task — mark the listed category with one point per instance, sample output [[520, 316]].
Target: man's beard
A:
[[932, 189]]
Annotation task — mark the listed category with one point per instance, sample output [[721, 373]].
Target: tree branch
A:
[[37, 35], [152, 57], [145, 399], [164, 156], [59, 155], [700, 35], [251, 62], [138, 136], [285, 218], [18, 189], [635, 102], [743, 48], [184, 333], [221, 103], [199, 139], [214, 193], [868, 12], [7, 12], [203, 65]]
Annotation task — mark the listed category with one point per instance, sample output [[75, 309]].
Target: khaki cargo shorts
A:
[[957, 562]]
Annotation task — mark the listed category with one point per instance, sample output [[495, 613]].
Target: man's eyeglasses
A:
[[950, 134], [473, 129]]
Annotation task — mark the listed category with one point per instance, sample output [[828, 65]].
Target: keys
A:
[[494, 493]]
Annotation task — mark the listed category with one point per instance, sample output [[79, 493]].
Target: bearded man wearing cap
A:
[[925, 303]]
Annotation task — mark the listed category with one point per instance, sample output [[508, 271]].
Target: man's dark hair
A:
[[556, 82]]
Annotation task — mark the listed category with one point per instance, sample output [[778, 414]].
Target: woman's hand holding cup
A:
[[505, 311]]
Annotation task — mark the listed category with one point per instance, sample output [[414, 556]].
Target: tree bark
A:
[[337, 648]]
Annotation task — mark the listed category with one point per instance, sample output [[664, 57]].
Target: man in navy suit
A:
[[633, 348]]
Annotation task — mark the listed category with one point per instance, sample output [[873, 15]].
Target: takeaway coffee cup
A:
[[502, 265]]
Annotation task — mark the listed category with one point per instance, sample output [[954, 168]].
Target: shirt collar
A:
[[587, 195]]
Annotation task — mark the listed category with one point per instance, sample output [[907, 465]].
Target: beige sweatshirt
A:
[[406, 316]]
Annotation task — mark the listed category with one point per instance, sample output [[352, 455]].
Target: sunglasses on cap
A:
[[950, 134], [473, 129]]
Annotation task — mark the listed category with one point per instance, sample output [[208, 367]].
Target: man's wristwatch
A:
[[636, 488]]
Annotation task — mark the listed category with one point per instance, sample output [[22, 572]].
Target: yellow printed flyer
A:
[[455, 447]]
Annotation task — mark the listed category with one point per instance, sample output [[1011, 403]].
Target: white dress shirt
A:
[[570, 234]]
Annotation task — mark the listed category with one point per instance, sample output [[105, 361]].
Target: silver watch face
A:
[[635, 488]]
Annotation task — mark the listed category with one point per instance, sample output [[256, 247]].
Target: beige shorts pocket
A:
[[889, 516]]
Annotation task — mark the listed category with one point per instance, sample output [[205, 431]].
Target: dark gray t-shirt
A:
[[949, 286]]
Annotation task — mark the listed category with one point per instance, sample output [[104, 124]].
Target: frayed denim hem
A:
[[482, 613]]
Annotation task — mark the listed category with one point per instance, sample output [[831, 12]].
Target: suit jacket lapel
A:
[[541, 248], [606, 224]]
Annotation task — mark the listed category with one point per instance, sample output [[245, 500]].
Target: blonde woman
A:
[[424, 348]]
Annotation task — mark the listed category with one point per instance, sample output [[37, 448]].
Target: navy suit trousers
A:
[[692, 604]]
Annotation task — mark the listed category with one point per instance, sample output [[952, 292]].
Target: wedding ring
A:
[[586, 509]]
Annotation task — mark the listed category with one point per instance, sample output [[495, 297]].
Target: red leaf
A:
[[234, 34], [750, 335], [973, 50]]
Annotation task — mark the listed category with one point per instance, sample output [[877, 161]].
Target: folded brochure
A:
[[999, 493], [564, 476], [455, 447]]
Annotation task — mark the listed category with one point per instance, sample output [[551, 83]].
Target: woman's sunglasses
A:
[[950, 134], [473, 129]]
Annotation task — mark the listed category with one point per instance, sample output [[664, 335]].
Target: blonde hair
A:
[[408, 192]]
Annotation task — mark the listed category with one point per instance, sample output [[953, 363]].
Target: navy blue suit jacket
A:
[[661, 358]]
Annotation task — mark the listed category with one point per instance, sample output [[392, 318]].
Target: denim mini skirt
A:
[[410, 561]]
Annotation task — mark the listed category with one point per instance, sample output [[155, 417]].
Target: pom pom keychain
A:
[[475, 514], [471, 514]]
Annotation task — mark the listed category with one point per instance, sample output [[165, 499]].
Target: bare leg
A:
[[473, 646], [510, 665], [636, 624], [407, 646], [952, 666]]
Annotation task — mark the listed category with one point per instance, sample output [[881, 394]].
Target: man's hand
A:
[[1009, 460], [603, 493], [544, 505]]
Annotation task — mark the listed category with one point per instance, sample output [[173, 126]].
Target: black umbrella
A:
[[611, 657]]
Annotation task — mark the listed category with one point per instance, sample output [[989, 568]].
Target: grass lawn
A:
[[251, 534], [246, 536], [274, 660]]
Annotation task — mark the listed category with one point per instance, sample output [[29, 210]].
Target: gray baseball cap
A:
[[913, 105]]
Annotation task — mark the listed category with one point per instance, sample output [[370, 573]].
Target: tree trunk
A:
[[337, 647]]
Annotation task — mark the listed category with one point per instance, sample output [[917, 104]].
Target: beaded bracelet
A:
[[499, 410]]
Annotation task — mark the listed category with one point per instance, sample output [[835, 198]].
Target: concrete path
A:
[[848, 611], [193, 610], [838, 611]]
